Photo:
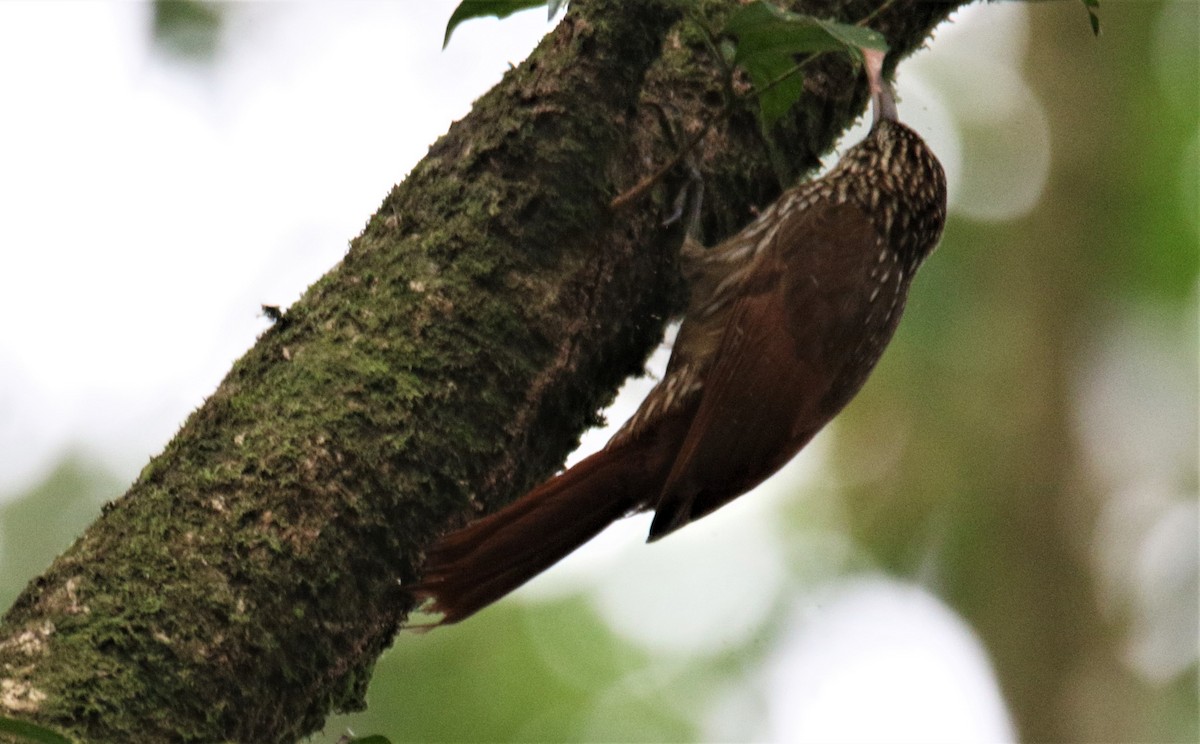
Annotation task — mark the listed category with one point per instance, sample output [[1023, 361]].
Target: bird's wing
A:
[[780, 353]]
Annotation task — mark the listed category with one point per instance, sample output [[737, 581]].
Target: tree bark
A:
[[245, 584]]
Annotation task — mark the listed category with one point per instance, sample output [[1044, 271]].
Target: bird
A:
[[784, 322]]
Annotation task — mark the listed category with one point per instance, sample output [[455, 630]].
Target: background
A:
[[998, 538]]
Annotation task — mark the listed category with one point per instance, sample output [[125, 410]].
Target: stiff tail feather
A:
[[472, 567]]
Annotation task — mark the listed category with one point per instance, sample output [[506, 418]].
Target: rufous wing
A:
[[766, 394]]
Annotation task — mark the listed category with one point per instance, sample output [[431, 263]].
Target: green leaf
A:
[[28, 732], [769, 40], [373, 739], [779, 84], [469, 9], [1093, 17], [762, 28], [855, 38]]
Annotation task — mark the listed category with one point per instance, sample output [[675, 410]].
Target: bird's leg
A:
[[689, 201], [688, 207]]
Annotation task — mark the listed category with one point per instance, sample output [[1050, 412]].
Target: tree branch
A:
[[245, 584]]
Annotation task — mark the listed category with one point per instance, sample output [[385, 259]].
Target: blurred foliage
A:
[[41, 523], [494, 680], [993, 490], [190, 29]]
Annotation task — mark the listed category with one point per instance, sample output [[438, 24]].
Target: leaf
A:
[[28, 732], [855, 37], [769, 40], [762, 28], [468, 9], [1093, 17], [778, 82]]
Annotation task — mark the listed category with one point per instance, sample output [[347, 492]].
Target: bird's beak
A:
[[882, 98]]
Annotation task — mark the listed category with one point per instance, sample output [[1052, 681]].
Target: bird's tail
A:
[[472, 567]]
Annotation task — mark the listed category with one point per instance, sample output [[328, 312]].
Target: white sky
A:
[[149, 206]]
